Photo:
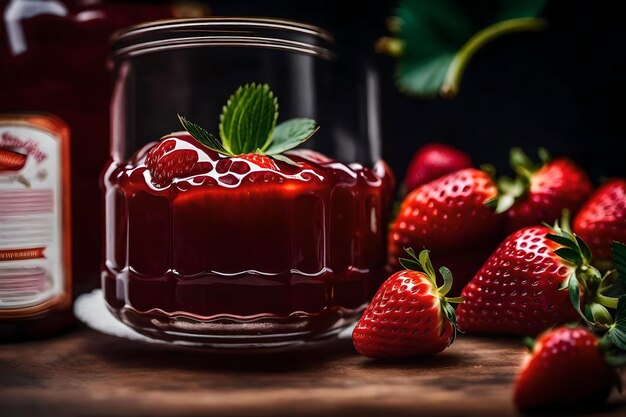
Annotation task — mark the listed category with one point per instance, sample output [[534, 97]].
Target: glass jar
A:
[[238, 255]]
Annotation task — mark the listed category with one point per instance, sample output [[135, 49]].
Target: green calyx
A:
[[617, 330], [422, 263], [605, 316], [585, 278], [248, 125], [613, 343], [512, 189]]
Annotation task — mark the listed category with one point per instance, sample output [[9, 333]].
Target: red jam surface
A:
[[245, 241]]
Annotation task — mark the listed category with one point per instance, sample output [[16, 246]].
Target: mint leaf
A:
[[619, 257], [617, 332], [202, 136], [290, 134], [248, 119]]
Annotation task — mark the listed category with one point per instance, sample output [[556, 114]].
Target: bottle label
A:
[[34, 220]]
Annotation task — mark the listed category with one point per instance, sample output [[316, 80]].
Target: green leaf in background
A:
[[435, 40], [619, 257], [248, 119], [290, 134]]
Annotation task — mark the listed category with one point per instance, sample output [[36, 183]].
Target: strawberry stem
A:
[[452, 80], [610, 302]]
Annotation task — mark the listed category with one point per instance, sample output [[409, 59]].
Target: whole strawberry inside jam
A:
[[195, 234]]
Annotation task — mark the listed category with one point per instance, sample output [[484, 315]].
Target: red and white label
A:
[[31, 217]]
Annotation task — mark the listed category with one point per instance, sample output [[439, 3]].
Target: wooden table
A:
[[89, 374]]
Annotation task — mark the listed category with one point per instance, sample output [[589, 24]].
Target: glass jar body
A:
[[234, 257]]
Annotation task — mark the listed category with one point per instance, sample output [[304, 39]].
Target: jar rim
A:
[[274, 33]]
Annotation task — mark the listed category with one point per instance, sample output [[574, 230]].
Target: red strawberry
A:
[[175, 157], [449, 216], [409, 315], [432, 161], [566, 368], [533, 281], [539, 194], [602, 219], [261, 161], [11, 161]]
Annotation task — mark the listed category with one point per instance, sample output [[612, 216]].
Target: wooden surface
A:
[[86, 373]]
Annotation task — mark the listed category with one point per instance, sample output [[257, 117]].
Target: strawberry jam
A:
[[242, 251]]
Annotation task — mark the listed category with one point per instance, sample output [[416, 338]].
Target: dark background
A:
[[562, 88]]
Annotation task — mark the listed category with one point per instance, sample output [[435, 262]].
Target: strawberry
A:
[[432, 161], [261, 161], [602, 220], [449, 216], [533, 281], [566, 368], [11, 161], [409, 314], [175, 157], [540, 193]]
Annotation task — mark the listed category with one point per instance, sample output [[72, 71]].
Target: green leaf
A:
[[411, 253], [619, 257], [565, 284], [410, 264], [449, 312], [285, 159], [584, 249], [616, 361], [509, 191], [502, 203], [529, 342], [291, 133], [202, 136], [562, 240], [520, 162], [450, 315], [428, 266], [617, 332], [447, 281], [569, 255], [436, 40], [574, 296], [248, 119], [544, 155]]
